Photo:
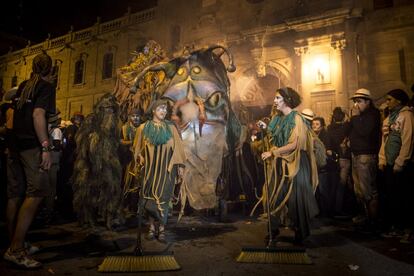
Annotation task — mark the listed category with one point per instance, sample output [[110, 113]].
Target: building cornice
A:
[[306, 23], [329, 18], [81, 35]]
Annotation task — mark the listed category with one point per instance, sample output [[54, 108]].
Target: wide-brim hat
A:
[[9, 96], [54, 117], [362, 93], [308, 114]]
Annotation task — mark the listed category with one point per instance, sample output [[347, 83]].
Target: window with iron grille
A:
[[79, 71], [14, 81], [107, 68]]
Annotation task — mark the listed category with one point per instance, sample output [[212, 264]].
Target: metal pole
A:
[[269, 223]]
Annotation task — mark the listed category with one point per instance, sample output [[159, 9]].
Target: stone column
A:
[[339, 45]]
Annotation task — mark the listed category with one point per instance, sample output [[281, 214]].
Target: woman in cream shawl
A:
[[291, 167]]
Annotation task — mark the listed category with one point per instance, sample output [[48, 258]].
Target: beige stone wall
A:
[[362, 47], [386, 50]]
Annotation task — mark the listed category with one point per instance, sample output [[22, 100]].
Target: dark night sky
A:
[[33, 20]]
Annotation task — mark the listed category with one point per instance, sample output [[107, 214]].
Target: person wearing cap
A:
[[158, 147], [364, 131], [321, 141], [397, 161], [308, 114], [318, 146], [35, 100], [291, 166]]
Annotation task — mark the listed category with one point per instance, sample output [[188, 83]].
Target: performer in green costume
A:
[[159, 148], [291, 172]]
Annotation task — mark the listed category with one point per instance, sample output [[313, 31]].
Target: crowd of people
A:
[[39, 153], [364, 162], [359, 166]]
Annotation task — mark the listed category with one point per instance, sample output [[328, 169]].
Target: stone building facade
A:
[[325, 49]]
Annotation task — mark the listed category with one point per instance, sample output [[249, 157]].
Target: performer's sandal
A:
[[151, 234], [161, 235]]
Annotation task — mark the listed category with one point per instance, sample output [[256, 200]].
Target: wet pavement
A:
[[203, 246]]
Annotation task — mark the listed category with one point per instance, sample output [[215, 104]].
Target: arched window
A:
[[79, 71], [107, 67]]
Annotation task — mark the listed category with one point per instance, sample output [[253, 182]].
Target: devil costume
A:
[[160, 146], [292, 177]]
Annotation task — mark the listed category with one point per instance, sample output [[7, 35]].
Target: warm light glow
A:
[[321, 69]]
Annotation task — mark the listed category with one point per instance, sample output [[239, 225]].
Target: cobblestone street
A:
[[202, 246]]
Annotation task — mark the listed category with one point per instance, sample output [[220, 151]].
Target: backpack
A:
[[320, 152]]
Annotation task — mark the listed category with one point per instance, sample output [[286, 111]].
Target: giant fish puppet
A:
[[197, 88]]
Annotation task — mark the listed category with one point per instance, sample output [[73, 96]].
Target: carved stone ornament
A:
[[301, 50], [339, 44]]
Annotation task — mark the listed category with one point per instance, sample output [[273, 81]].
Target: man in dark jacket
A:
[[365, 140]]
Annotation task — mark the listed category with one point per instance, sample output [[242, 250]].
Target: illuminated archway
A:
[[256, 89]]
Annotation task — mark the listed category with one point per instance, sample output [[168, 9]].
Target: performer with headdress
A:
[[159, 149], [291, 173]]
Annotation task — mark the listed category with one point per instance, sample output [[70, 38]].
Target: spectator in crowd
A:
[[318, 146], [364, 131], [55, 139], [130, 194], [6, 126], [64, 190], [396, 159], [319, 127], [324, 193], [28, 169], [411, 101], [339, 149]]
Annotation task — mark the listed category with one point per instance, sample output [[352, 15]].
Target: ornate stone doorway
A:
[[256, 88]]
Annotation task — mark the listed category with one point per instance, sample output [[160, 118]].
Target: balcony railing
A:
[[99, 28]]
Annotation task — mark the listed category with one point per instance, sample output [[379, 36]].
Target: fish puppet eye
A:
[[196, 70], [214, 99], [181, 71]]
